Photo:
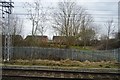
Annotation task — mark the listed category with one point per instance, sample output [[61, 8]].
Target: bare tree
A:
[[37, 15], [110, 29], [70, 19], [16, 25], [67, 18], [15, 28], [87, 30]]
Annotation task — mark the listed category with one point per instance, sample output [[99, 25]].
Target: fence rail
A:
[[58, 54]]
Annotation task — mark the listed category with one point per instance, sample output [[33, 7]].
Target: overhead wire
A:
[[94, 15]]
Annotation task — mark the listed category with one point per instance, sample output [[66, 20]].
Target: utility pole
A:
[[6, 12], [119, 30]]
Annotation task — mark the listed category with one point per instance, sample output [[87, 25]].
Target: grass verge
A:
[[65, 63]]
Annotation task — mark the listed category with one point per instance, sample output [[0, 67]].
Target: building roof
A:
[[59, 37], [36, 37], [14, 36], [62, 37]]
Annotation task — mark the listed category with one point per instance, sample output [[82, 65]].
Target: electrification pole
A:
[[6, 12], [119, 30]]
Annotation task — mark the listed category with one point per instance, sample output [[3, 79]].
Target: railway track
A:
[[37, 73]]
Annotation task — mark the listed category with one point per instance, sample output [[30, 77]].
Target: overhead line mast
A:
[[6, 12]]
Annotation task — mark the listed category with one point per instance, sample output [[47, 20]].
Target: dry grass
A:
[[66, 63]]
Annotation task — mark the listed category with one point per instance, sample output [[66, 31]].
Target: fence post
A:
[[118, 55]]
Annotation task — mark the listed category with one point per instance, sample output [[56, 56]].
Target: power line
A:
[[100, 16], [110, 2], [72, 14], [84, 9], [104, 19], [57, 8], [95, 21], [94, 17]]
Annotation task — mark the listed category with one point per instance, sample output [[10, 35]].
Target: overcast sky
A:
[[101, 10]]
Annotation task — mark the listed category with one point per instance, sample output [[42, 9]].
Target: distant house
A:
[[64, 40], [59, 39], [19, 37], [37, 38], [15, 39]]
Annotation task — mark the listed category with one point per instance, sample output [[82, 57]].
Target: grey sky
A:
[[101, 10]]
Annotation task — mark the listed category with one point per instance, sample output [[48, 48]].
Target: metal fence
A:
[[58, 54]]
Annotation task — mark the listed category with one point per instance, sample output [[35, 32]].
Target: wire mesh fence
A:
[[31, 53]]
